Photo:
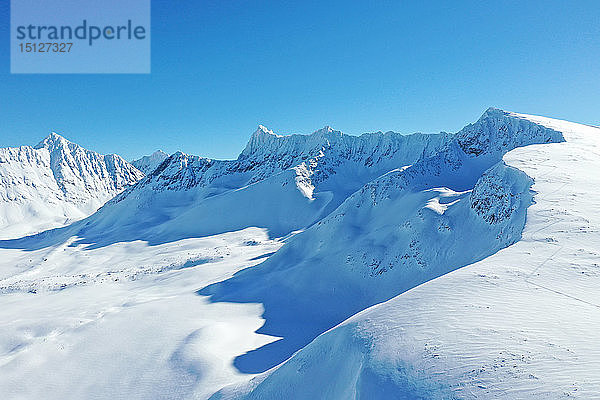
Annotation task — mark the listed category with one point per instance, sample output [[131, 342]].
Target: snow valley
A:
[[321, 266]]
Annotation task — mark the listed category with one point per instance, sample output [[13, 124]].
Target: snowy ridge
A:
[[518, 324], [320, 266], [499, 131], [291, 181], [82, 174], [54, 182], [147, 164], [326, 150], [387, 237], [321, 153]]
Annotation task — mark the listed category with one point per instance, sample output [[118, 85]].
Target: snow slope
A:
[[124, 321], [147, 164], [129, 310], [114, 306], [520, 324], [56, 182], [281, 183], [398, 231]]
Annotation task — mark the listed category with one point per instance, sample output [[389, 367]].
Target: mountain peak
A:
[[55, 136], [498, 131], [326, 130], [52, 141], [261, 137], [57, 182], [158, 153], [263, 130], [148, 164], [494, 112]]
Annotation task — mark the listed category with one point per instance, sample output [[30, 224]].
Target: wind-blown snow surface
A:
[[54, 183], [520, 324], [124, 321], [113, 306]]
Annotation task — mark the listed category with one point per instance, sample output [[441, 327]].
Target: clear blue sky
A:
[[219, 68]]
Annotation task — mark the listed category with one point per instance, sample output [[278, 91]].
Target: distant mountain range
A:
[[56, 182], [372, 229]]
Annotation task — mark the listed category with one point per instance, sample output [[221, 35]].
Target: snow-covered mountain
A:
[[380, 266], [397, 231], [147, 164], [282, 183], [56, 182], [521, 324]]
